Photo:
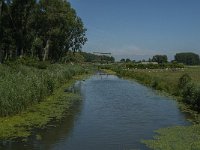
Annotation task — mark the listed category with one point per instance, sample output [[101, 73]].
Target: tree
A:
[[88, 57], [46, 29], [187, 58], [160, 59], [20, 13], [14, 19], [128, 60], [122, 60], [1, 7], [6, 34], [62, 29]]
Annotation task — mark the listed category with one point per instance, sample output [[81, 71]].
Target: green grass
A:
[[22, 86], [162, 79], [39, 115], [176, 138], [108, 71]]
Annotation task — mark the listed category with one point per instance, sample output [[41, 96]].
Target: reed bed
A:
[[22, 86]]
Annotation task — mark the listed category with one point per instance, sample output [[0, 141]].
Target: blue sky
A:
[[139, 29]]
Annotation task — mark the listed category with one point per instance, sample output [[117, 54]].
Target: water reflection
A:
[[115, 114]]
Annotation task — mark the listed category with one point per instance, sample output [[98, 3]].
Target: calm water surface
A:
[[115, 114]]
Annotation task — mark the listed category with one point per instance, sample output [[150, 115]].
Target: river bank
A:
[[113, 114], [43, 107], [178, 137]]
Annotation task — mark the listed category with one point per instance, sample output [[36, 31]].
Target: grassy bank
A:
[[23, 86], [32, 97], [176, 138], [182, 83], [173, 82], [39, 115]]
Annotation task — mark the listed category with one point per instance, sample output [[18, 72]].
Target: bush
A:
[[42, 65], [22, 86], [191, 95], [184, 80]]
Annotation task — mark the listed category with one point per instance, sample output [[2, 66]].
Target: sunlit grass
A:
[[176, 138]]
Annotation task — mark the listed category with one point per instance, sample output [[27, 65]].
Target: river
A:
[[115, 114]]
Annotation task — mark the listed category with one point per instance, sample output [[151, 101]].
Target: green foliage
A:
[[182, 83], [187, 58], [176, 138], [128, 60], [191, 95], [88, 57], [122, 60], [38, 115], [174, 82], [160, 59], [42, 65], [41, 29], [22, 86], [73, 57], [184, 79], [37, 48]]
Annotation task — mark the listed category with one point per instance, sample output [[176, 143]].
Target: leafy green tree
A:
[[160, 59], [128, 60], [187, 58], [20, 12], [1, 7], [46, 29], [59, 27], [184, 80], [6, 35], [88, 57], [122, 60]]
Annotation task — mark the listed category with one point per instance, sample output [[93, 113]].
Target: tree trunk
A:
[[1, 56], [1, 7], [46, 50], [1, 51], [21, 52]]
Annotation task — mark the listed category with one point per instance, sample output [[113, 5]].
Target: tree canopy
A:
[[187, 58], [97, 58], [160, 59], [45, 29]]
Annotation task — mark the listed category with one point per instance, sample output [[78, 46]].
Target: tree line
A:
[[43, 29], [187, 58], [97, 58]]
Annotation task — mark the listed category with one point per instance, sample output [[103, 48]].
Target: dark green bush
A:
[[42, 65], [184, 80]]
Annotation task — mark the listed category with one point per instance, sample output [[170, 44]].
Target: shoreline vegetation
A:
[[181, 83], [33, 97]]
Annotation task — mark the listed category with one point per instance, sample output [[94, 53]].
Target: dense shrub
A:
[[191, 95], [22, 86], [184, 79]]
